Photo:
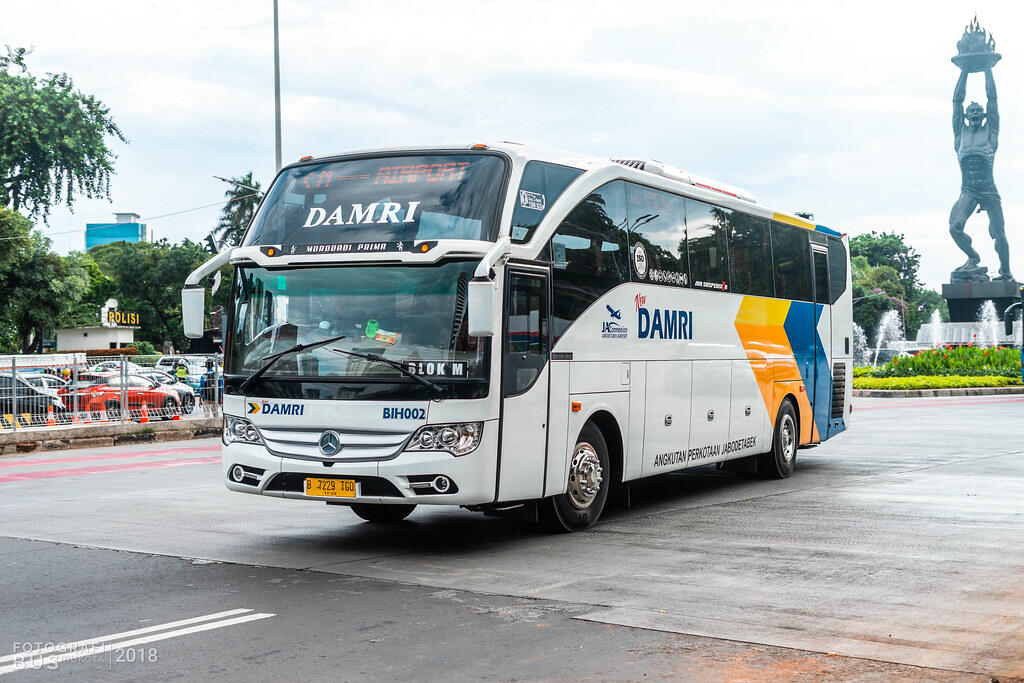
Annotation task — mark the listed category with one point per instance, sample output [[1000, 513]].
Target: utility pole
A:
[[277, 93]]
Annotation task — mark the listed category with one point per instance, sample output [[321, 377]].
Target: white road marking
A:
[[62, 652]]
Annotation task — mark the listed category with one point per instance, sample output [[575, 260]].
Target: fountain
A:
[[861, 353], [890, 327], [988, 332], [936, 332]]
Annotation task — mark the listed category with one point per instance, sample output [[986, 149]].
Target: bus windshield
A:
[[394, 200], [415, 315]]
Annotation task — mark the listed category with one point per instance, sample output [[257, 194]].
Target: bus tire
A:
[[385, 512], [587, 489], [780, 461]]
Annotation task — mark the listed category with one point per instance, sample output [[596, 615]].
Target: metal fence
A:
[[40, 392]]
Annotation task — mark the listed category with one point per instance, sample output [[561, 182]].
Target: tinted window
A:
[[792, 262], [589, 254], [541, 185], [706, 241], [837, 267], [750, 255], [821, 277], [526, 346], [387, 199], [657, 223]]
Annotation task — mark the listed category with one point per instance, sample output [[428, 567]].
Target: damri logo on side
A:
[[662, 323], [358, 215]]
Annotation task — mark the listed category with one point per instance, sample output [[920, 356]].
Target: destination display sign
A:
[[375, 204], [409, 246]]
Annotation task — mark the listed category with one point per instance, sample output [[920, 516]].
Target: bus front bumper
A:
[[406, 478]]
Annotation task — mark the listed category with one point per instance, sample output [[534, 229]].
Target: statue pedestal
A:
[[965, 298]]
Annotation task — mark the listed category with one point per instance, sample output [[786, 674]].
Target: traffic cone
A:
[[50, 422], [145, 414]]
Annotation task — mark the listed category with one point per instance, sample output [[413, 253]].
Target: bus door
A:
[[821, 394], [525, 375]]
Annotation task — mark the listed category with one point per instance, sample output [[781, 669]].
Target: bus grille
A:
[[838, 389]]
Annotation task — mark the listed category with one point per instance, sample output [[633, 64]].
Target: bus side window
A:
[[657, 220], [541, 185], [589, 254], [706, 241], [526, 346], [837, 267], [750, 255], [792, 255]]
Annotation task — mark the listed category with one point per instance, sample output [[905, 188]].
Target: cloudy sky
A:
[[842, 112]]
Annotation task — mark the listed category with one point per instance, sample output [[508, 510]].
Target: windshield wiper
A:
[[374, 358], [273, 358]]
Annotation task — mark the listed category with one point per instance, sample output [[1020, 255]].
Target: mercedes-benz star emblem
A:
[[330, 443]]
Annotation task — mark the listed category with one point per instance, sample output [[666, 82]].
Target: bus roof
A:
[[730, 194]]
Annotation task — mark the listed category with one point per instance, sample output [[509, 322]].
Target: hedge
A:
[[934, 382]]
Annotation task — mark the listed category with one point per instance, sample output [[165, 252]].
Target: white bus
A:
[[501, 327]]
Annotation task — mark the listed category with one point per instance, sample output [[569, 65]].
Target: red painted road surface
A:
[[186, 456]]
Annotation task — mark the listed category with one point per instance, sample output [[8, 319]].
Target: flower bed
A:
[[950, 361], [935, 382]]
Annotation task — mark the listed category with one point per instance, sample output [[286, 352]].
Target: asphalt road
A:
[[896, 550]]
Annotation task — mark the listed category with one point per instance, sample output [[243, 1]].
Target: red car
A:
[[161, 401]]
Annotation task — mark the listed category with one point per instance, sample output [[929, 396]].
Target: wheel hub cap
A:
[[788, 438], [585, 476]]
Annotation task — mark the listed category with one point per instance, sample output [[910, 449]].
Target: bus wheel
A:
[[779, 462], [587, 490], [382, 513]]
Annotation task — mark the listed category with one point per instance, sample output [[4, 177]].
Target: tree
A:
[[242, 200], [884, 270], [41, 288], [53, 140], [888, 249], [148, 278]]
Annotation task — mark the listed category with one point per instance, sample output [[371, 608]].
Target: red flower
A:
[[970, 344], [944, 356], [986, 353]]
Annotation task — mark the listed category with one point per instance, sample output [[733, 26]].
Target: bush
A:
[[126, 351], [145, 348], [971, 361], [862, 371], [934, 382]]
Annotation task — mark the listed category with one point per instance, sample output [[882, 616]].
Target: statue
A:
[[975, 138]]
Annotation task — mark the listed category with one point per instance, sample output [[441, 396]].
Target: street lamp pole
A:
[[277, 93]]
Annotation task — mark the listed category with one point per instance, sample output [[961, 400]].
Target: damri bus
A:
[[500, 327]]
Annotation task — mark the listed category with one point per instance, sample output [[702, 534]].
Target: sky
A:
[[840, 109]]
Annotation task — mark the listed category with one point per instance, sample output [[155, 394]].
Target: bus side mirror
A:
[[482, 296], [193, 310]]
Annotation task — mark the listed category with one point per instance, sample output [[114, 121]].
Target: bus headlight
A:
[[239, 429], [458, 439]]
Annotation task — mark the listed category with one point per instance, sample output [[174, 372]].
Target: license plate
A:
[[337, 488]]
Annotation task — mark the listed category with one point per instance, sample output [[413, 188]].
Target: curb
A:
[[98, 436], [924, 393]]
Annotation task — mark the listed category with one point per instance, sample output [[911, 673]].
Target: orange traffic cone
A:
[[145, 414], [50, 422]]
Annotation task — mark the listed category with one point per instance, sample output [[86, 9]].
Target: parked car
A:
[[115, 366], [18, 395], [137, 390], [186, 394], [196, 366], [50, 384]]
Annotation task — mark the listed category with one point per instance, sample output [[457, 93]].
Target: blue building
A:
[[125, 228]]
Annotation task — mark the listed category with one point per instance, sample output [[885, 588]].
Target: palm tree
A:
[[242, 200]]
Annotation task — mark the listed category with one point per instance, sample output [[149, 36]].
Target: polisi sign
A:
[[120, 318], [662, 323]]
